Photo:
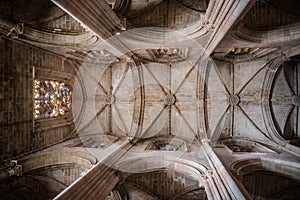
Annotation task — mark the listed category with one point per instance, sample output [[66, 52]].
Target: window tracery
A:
[[51, 98]]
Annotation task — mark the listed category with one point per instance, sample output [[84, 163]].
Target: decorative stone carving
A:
[[169, 99], [109, 99], [234, 100], [122, 25], [14, 168], [296, 100], [16, 31], [209, 172]]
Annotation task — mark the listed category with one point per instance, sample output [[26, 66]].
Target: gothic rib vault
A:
[[171, 99]]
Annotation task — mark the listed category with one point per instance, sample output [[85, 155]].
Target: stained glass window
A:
[[240, 51], [51, 98], [167, 147]]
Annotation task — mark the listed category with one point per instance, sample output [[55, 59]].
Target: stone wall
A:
[[17, 134]]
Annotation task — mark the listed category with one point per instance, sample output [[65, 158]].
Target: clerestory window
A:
[[51, 98]]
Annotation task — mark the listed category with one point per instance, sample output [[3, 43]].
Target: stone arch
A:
[[269, 78], [42, 160], [255, 175], [286, 86], [25, 188], [239, 144], [51, 170], [181, 166]]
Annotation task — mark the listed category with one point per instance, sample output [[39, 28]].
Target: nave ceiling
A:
[[170, 74], [209, 98]]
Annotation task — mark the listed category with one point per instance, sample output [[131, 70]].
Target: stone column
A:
[[220, 180], [98, 181], [95, 14], [221, 16]]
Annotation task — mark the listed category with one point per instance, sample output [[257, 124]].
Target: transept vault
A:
[[156, 99]]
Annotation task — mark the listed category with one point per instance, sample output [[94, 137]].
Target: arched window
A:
[[51, 98]]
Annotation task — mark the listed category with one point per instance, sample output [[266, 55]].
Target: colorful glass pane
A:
[[51, 98], [167, 147]]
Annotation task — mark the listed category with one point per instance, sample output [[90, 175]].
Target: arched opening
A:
[[269, 185], [159, 184], [160, 179], [285, 100], [264, 181]]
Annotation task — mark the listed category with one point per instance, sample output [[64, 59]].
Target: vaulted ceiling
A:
[[138, 89], [172, 70], [146, 82]]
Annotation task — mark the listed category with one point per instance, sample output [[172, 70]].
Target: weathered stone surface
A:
[[150, 105]]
